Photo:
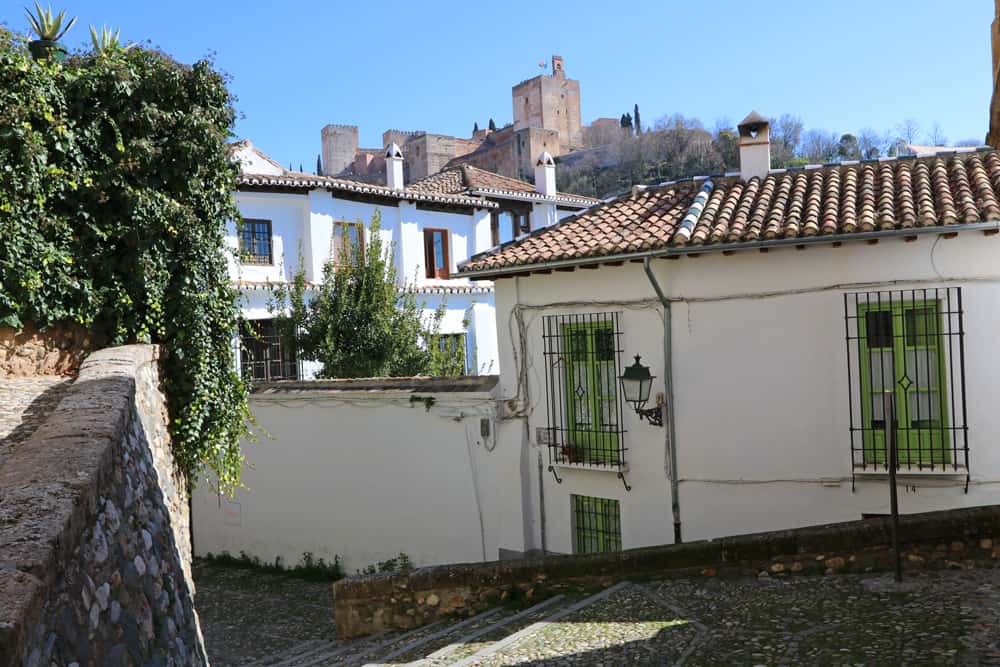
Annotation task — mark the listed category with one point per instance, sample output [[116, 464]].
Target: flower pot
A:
[[47, 49]]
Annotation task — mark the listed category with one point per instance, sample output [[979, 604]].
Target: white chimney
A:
[[545, 175], [755, 146], [394, 167]]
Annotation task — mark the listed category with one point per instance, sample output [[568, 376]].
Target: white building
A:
[[777, 310], [434, 225]]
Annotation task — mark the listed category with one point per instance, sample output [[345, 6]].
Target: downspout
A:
[[670, 434]]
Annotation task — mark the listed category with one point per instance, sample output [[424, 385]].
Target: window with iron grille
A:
[[255, 242], [597, 525], [264, 354], [582, 367], [906, 351], [454, 346]]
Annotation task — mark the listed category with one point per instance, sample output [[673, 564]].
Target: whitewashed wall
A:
[[761, 387], [365, 475], [302, 227]]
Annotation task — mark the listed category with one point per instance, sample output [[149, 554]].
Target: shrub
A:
[[115, 181]]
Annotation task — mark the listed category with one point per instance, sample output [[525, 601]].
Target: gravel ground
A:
[[247, 614], [24, 404], [934, 618]]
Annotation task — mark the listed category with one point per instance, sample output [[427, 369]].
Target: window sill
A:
[[596, 467], [961, 471]]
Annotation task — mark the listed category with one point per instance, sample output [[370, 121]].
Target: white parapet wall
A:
[[366, 469]]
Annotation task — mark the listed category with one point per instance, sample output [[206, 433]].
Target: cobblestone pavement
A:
[[24, 404], [248, 613], [934, 618], [939, 618]]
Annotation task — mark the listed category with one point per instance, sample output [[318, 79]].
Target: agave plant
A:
[[49, 28], [107, 41]]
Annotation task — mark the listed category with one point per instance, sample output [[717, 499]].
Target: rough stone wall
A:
[[95, 549], [949, 539], [56, 350]]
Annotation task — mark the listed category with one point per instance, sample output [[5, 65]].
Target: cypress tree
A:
[[475, 127], [319, 165], [493, 126], [638, 123]]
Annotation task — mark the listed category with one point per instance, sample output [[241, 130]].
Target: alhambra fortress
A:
[[546, 119]]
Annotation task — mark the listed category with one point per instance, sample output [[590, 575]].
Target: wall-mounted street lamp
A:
[[636, 385]]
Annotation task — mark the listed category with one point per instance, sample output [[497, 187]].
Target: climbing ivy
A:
[[114, 183]]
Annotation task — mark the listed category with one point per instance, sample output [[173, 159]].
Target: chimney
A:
[[545, 175], [755, 146], [394, 167]]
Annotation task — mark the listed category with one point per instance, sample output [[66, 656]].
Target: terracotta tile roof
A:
[[302, 181], [712, 213], [467, 179]]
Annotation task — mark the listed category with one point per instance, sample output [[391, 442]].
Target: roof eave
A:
[[563, 200], [678, 251]]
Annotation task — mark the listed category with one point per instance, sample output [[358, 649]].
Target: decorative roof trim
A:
[[727, 248], [335, 184], [576, 200]]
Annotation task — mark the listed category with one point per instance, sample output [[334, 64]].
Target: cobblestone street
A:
[[943, 618]]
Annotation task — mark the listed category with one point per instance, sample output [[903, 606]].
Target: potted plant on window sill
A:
[[573, 454], [50, 30]]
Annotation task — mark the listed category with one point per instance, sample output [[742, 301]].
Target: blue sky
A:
[[840, 65]]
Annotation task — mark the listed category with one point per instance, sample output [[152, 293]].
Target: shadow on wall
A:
[[97, 523]]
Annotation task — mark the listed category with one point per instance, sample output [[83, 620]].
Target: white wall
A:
[[288, 215], [302, 225], [365, 475], [761, 387]]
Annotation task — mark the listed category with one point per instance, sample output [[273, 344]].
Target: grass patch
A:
[[309, 568]]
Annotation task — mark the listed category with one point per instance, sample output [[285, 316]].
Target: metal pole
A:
[[889, 416]]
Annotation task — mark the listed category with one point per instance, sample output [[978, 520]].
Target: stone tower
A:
[[993, 138], [550, 102], [339, 146]]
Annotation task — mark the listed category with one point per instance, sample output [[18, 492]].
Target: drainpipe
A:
[[670, 433]]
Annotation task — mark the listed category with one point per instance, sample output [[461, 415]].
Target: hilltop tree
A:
[[492, 126], [638, 123], [475, 127], [847, 147]]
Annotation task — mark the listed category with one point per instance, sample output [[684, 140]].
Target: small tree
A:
[[492, 126], [319, 165], [475, 127], [638, 123], [360, 323]]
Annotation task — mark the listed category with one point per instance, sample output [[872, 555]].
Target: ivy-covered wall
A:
[[114, 183]]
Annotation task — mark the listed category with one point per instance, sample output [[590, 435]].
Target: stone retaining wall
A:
[[55, 350], [95, 549], [955, 538]]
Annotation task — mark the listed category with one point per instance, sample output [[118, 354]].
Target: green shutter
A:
[[596, 525], [591, 391], [901, 352]]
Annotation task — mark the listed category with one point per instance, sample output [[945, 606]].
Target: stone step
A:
[[516, 637], [313, 652], [435, 634], [476, 640]]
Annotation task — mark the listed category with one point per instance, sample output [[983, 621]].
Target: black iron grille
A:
[[265, 355], [597, 526], [256, 246], [907, 347], [582, 367]]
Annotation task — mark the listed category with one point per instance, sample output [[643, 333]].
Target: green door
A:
[[591, 393], [902, 356]]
